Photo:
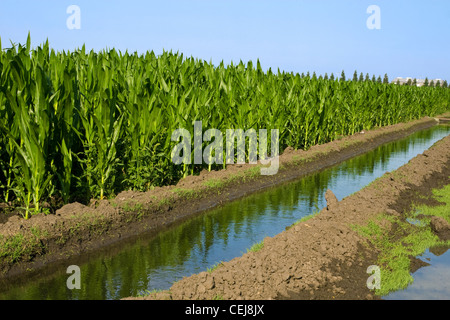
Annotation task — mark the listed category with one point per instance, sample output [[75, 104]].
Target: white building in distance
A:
[[420, 82]]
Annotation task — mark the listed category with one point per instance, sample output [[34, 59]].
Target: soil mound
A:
[[323, 257]]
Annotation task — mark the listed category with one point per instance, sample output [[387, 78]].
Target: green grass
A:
[[306, 218], [148, 292], [214, 267], [397, 245], [256, 247], [213, 183], [252, 172], [441, 195], [132, 206], [186, 193], [18, 247]]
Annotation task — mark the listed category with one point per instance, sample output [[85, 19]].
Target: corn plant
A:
[[29, 102], [90, 124]]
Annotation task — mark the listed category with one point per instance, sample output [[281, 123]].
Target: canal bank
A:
[[73, 240], [327, 256]]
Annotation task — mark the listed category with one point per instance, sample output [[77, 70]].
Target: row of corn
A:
[[81, 125]]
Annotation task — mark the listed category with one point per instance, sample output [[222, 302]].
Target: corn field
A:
[[81, 125]]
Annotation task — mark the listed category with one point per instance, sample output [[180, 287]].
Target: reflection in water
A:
[[431, 282], [220, 234]]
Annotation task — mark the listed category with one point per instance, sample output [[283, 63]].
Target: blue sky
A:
[[299, 36]]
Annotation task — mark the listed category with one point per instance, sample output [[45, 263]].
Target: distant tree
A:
[[386, 79], [438, 83], [332, 77], [320, 77], [326, 76], [303, 75], [308, 75], [414, 83], [379, 79], [342, 76], [374, 79], [398, 82], [445, 84], [355, 76], [314, 76], [432, 83], [426, 83], [361, 77], [409, 82], [367, 77]]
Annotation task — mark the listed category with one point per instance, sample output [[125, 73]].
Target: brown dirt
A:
[[324, 258], [76, 229]]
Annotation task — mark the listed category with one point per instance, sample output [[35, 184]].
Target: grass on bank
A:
[[214, 267], [256, 247], [18, 247], [398, 240], [306, 218], [147, 292]]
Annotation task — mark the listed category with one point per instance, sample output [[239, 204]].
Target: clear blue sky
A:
[[299, 36]]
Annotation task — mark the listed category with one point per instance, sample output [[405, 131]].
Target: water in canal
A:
[[431, 282], [155, 262]]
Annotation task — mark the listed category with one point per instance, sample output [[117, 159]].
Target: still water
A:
[[431, 282], [155, 262]]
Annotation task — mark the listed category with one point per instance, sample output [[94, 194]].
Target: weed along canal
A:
[[199, 244]]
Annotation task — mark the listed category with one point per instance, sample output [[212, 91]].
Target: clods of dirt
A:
[[441, 227], [324, 257]]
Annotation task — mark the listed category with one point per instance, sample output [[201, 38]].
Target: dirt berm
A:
[[27, 246], [323, 257]]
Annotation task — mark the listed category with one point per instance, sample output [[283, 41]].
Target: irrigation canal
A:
[[152, 263]]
